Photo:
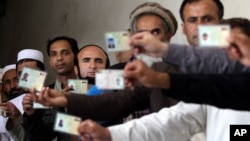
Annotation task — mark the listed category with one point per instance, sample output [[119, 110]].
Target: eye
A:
[[100, 61], [191, 20], [156, 32], [207, 19]]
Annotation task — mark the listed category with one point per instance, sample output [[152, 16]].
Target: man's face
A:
[[91, 59], [61, 57], [153, 24], [10, 82], [196, 13]]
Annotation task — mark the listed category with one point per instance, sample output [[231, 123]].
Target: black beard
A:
[[15, 92]]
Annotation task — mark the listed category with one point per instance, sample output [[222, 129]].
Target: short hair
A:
[[107, 60], [71, 41], [217, 2], [152, 8], [39, 64], [242, 23]]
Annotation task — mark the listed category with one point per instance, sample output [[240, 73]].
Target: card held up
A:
[[117, 41], [31, 78], [213, 35], [78, 86], [67, 123], [110, 79]]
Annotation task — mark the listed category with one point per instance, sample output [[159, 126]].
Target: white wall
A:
[[30, 23]]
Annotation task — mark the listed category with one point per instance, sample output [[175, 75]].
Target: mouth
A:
[[60, 65]]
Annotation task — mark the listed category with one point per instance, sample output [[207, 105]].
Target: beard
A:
[[15, 92], [91, 80]]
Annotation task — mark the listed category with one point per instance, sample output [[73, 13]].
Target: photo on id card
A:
[[66, 123], [117, 41], [31, 78], [213, 35]]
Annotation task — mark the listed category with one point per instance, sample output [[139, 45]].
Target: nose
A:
[[92, 64], [59, 57], [13, 84]]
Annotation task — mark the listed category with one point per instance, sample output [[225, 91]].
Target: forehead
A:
[[149, 21], [9, 74], [202, 7], [92, 52], [60, 45]]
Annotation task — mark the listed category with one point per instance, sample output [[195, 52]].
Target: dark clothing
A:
[[39, 126], [121, 103], [221, 90]]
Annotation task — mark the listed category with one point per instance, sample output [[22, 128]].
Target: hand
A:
[[11, 110], [239, 48], [137, 71], [27, 102], [51, 97], [91, 131], [146, 43]]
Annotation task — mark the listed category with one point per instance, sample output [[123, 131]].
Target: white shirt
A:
[[180, 123]]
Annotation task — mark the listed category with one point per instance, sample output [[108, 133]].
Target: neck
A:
[[64, 78]]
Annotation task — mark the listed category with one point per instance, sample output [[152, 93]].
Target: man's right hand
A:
[[146, 43], [28, 104]]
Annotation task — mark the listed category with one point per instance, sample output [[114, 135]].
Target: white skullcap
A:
[[7, 68], [30, 54], [1, 72]]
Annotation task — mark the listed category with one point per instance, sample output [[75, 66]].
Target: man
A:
[[13, 122], [90, 59], [196, 12], [61, 51], [4, 133], [205, 60], [150, 17], [185, 118]]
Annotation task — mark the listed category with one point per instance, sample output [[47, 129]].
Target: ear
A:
[[183, 28]]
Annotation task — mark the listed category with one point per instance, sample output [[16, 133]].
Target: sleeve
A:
[[204, 60], [109, 106], [16, 130], [177, 123], [221, 90], [39, 126]]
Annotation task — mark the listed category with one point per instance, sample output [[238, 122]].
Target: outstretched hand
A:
[[92, 131]]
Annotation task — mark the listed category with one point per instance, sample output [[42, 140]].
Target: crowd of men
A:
[[187, 96]]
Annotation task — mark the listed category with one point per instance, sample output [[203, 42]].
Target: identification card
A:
[[31, 78], [78, 86], [214, 35], [110, 79], [117, 41], [67, 123], [148, 60], [3, 113]]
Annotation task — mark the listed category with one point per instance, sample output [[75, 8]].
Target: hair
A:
[[71, 41], [242, 23], [107, 60], [217, 2], [39, 64], [165, 23]]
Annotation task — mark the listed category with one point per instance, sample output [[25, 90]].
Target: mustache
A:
[[17, 90]]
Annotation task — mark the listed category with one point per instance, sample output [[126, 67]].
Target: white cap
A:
[[7, 68], [1, 72], [30, 54]]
